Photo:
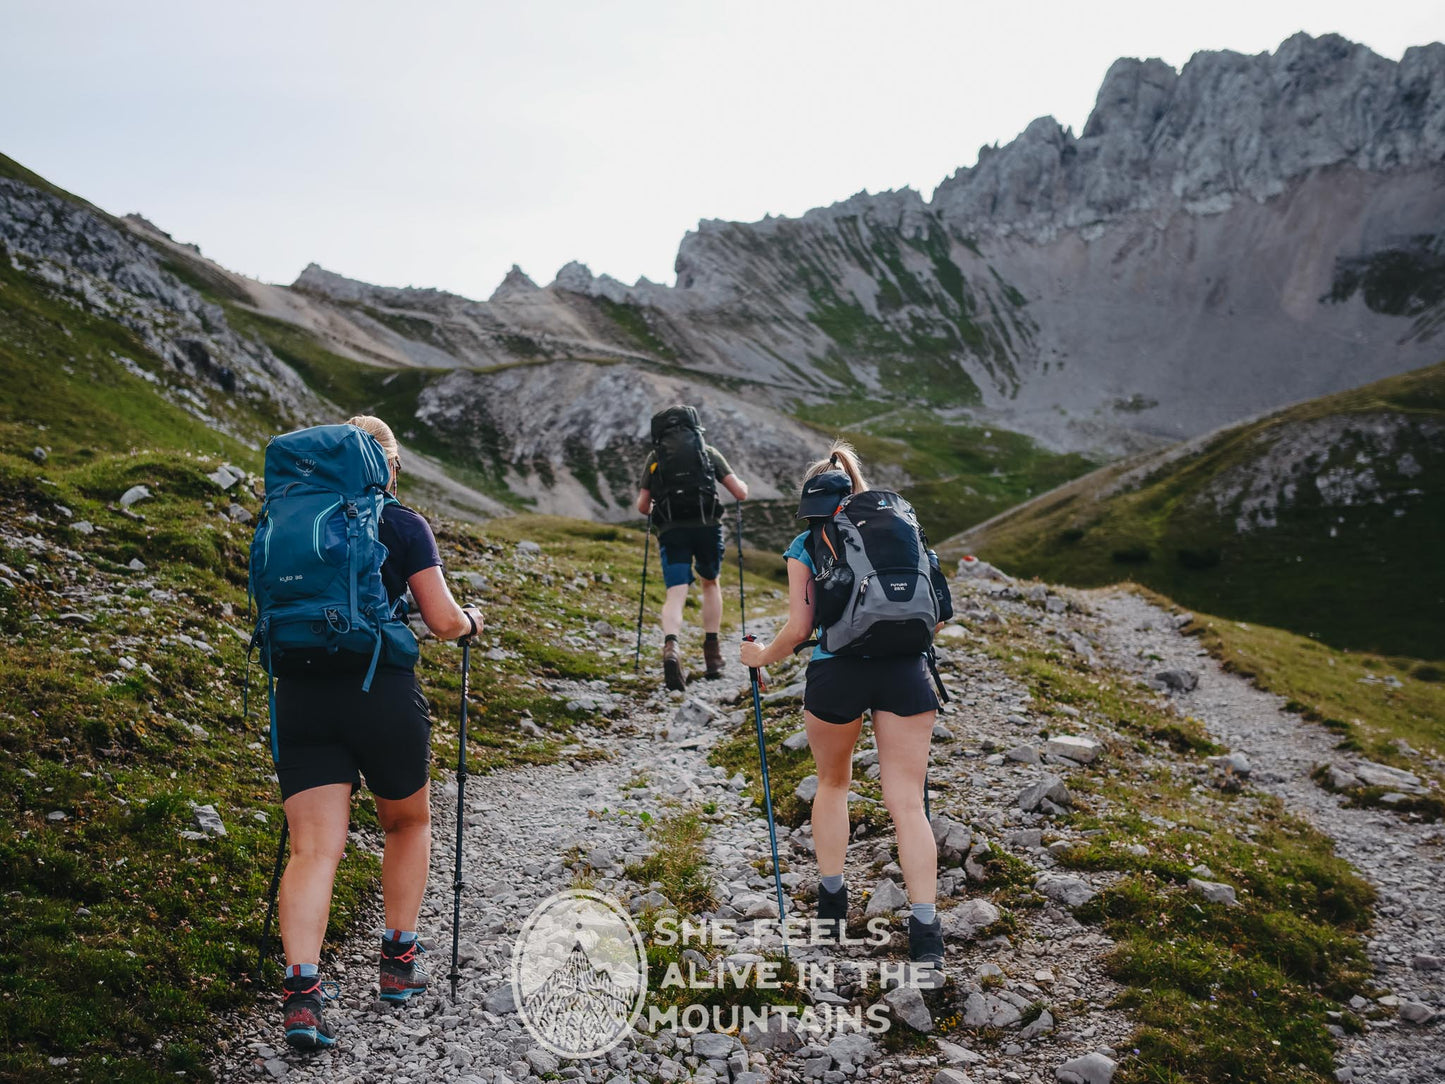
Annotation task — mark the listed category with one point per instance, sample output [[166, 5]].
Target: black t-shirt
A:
[[410, 547]]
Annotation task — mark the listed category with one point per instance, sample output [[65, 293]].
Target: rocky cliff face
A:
[[1217, 241], [1203, 250]]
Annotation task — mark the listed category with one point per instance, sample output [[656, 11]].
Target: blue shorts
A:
[[682, 547]]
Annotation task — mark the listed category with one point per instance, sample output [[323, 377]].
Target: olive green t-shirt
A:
[[720, 470]]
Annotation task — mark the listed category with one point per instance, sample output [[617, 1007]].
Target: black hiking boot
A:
[[403, 975], [925, 942], [301, 1012], [672, 667], [832, 914], [713, 658]]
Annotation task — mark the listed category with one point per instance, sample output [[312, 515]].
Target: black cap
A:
[[823, 492]]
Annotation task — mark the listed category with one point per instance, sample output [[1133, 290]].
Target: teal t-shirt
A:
[[798, 551]]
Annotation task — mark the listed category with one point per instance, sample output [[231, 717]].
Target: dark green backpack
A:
[[683, 483]]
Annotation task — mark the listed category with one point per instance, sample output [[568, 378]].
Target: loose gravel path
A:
[[1404, 860], [530, 831]]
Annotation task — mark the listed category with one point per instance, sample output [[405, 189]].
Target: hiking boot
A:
[[925, 942], [301, 1016], [712, 656], [832, 914], [672, 667], [402, 972]]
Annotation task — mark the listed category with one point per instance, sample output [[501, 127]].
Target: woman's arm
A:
[[644, 501], [800, 621], [439, 610]]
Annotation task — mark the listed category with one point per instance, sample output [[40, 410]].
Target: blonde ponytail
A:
[[841, 456], [369, 423]]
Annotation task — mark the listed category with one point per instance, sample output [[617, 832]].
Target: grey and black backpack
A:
[[879, 588], [683, 483]]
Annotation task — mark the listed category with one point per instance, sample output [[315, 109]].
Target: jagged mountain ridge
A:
[[1184, 261], [1245, 232]]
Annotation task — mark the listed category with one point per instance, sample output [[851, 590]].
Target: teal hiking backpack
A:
[[316, 559]]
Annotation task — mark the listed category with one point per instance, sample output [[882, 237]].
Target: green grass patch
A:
[[1372, 701], [1360, 574]]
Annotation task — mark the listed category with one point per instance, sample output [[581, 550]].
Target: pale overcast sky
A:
[[437, 143]]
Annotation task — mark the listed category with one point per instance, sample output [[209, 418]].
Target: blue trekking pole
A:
[[753, 677]]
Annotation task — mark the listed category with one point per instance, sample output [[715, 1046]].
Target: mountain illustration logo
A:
[[579, 973]]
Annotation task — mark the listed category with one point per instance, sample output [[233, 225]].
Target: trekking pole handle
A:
[[757, 674]]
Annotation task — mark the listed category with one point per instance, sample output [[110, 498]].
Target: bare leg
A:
[[711, 606], [832, 746], [404, 862], [672, 610], [903, 759], [318, 818]]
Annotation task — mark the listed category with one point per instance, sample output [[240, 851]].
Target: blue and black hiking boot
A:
[[832, 914], [301, 1015], [403, 975]]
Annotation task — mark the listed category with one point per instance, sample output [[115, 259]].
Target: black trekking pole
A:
[[642, 596], [742, 599], [753, 677], [271, 898], [457, 882]]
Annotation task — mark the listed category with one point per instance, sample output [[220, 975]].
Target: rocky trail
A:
[[1403, 859], [1029, 998]]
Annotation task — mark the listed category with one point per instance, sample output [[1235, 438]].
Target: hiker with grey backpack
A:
[[866, 592], [679, 495], [332, 558]]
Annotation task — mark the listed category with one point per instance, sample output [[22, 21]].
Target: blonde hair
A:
[[841, 456], [369, 423]]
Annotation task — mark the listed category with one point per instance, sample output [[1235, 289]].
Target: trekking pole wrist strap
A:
[[472, 621]]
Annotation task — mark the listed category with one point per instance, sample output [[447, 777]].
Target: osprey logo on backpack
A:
[[875, 535], [316, 558]]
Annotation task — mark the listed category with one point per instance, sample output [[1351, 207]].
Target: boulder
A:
[[969, 918], [1065, 888], [1084, 750], [1022, 754], [1050, 788], [1382, 775], [693, 713], [1178, 681], [501, 1000], [953, 838], [1232, 764], [711, 1044], [908, 1007], [134, 495], [887, 897], [796, 741], [1214, 891], [1092, 1068], [207, 820], [807, 790]]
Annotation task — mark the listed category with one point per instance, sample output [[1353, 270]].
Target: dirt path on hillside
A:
[[527, 828], [1403, 859]]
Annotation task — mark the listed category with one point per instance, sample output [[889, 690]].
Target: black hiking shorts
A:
[[329, 731], [841, 689]]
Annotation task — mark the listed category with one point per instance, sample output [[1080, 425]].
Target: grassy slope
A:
[[1376, 584]]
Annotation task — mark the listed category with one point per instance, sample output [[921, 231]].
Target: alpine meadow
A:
[[1167, 397]]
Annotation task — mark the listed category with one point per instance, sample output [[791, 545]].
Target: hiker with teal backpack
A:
[[678, 494], [333, 555], [866, 590]]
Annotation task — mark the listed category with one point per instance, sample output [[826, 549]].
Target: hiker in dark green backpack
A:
[[333, 555], [678, 493]]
